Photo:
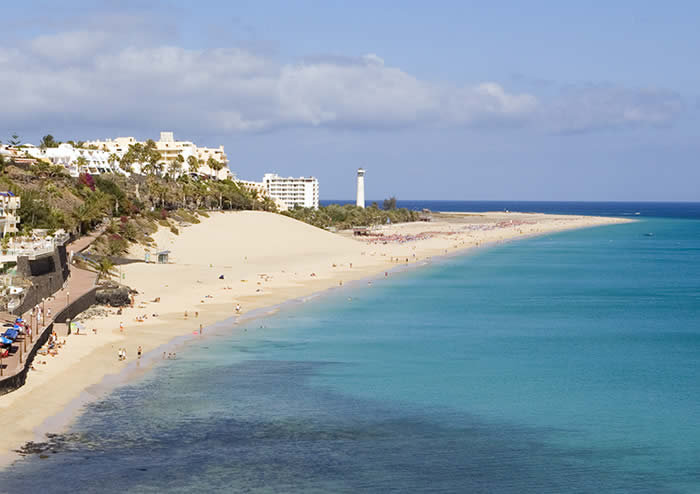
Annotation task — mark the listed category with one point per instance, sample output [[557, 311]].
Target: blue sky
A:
[[447, 100]]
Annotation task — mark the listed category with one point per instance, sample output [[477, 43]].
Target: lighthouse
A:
[[360, 188]]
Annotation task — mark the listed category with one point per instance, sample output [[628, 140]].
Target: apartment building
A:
[[9, 218], [293, 192]]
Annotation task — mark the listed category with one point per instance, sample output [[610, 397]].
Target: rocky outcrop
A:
[[116, 296]]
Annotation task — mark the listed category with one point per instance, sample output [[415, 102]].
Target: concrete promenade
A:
[[78, 284]]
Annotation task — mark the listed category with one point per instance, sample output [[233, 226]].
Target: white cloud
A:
[[595, 107], [92, 78]]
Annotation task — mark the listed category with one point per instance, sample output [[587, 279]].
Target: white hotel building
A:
[[293, 192], [169, 149]]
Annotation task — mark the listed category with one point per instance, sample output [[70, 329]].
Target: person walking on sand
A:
[[200, 329], [121, 326], [138, 352]]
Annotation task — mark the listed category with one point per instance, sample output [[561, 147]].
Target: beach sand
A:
[[265, 259]]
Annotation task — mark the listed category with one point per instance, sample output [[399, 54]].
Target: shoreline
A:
[[62, 410]]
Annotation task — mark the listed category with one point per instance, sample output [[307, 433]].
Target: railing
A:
[[35, 248]]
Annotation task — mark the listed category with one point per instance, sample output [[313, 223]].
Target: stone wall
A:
[[77, 306], [47, 273]]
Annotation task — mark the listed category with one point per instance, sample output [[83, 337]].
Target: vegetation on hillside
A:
[[348, 216], [133, 206]]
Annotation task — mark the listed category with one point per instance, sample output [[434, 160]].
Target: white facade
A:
[[96, 161], [360, 202], [169, 149], [293, 192], [9, 219]]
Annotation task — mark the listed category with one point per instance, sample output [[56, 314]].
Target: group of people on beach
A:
[[122, 353]]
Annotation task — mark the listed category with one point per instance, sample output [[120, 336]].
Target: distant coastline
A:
[[660, 209]]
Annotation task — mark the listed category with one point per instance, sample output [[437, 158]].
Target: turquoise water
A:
[[564, 363]]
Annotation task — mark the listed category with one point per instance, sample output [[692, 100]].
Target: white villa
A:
[[96, 161]]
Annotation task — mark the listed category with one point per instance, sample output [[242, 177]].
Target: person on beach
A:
[[238, 308], [121, 327], [138, 352], [200, 329], [185, 314]]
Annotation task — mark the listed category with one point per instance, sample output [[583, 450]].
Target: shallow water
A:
[[564, 363]]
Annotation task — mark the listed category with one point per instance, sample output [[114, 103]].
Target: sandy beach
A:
[[250, 259]]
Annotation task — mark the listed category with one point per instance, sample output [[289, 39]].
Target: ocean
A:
[[566, 363], [620, 208]]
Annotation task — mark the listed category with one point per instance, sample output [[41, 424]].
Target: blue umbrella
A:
[[5, 341]]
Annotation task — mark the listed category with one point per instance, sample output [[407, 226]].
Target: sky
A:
[[459, 100]]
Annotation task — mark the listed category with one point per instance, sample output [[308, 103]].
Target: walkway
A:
[[78, 284]]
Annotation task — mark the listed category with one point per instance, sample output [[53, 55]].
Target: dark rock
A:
[[114, 296]]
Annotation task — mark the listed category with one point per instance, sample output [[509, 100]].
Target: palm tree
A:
[[193, 163], [175, 168], [215, 166], [112, 159], [81, 163], [104, 267], [84, 215]]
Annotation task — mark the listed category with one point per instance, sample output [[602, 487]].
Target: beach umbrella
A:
[[5, 341]]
